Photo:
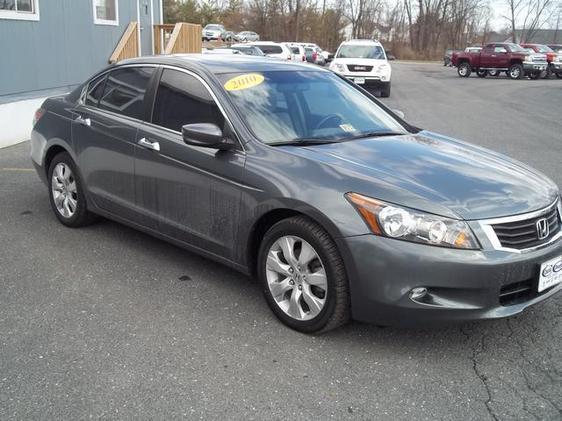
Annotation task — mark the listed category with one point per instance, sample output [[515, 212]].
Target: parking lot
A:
[[107, 322]]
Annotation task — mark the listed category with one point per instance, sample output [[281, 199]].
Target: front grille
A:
[[359, 68], [518, 292], [524, 234]]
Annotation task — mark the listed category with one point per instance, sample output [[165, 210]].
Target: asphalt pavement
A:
[[106, 322]]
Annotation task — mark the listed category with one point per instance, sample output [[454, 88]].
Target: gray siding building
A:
[[48, 46]]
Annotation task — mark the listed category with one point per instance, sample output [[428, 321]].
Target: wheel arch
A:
[[269, 218], [50, 153]]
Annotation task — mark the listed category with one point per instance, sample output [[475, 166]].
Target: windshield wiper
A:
[[376, 134], [305, 142]]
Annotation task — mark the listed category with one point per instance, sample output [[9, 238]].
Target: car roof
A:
[[361, 41], [216, 63], [264, 43]]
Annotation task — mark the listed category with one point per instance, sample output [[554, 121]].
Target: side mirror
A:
[[207, 135], [399, 113], [391, 57]]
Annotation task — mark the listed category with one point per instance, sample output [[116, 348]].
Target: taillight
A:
[[37, 116], [288, 57], [314, 56], [303, 58]]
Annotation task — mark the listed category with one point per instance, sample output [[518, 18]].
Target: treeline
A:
[[411, 28]]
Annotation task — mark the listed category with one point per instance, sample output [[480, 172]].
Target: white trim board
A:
[[16, 119]]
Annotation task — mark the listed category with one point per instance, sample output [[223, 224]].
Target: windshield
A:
[[544, 49], [214, 27], [293, 106], [516, 48], [361, 51]]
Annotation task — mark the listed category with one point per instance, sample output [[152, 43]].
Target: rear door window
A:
[[182, 99], [95, 91], [124, 91], [271, 49]]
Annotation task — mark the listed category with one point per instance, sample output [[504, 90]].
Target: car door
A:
[[104, 132], [487, 56], [186, 192]]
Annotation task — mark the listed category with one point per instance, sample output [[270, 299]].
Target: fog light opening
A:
[[417, 294]]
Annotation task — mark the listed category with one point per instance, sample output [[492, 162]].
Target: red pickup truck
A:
[[553, 58], [501, 57]]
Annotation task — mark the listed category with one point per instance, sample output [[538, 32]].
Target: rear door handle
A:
[[155, 146], [83, 121]]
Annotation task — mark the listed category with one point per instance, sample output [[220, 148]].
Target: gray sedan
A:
[[301, 179]]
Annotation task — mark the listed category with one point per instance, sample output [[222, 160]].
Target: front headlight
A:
[[410, 225], [338, 67], [382, 67]]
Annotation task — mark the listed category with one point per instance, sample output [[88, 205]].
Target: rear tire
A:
[[385, 91], [66, 193], [482, 73], [534, 75], [298, 264], [493, 73], [515, 71], [559, 75], [464, 70]]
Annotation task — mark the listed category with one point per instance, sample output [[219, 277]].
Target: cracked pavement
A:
[[107, 322]]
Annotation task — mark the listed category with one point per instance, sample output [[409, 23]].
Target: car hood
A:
[[436, 174]]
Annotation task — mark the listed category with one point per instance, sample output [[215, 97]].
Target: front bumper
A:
[[368, 81], [462, 284], [534, 67]]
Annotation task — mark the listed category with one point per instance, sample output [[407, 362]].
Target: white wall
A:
[[16, 119]]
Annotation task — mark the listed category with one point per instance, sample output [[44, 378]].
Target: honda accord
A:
[[303, 180]]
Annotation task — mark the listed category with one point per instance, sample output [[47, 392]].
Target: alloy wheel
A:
[[514, 73], [63, 189], [296, 278]]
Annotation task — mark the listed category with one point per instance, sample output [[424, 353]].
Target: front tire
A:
[[66, 193], [493, 73], [515, 71], [303, 276], [464, 70]]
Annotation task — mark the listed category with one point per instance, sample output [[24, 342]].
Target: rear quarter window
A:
[[95, 91], [271, 49]]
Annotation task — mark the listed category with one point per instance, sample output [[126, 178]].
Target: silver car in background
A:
[[212, 31], [246, 36]]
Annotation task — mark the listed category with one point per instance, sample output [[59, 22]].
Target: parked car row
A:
[[364, 62], [517, 61], [215, 31]]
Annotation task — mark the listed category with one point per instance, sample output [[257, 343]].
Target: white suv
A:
[[273, 49], [364, 62]]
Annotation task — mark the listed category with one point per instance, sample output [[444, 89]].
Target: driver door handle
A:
[[155, 146], [83, 121]]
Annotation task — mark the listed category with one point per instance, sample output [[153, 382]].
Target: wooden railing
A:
[[162, 34], [185, 38], [128, 46]]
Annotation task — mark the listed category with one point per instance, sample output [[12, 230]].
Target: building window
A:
[[106, 12], [19, 9]]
